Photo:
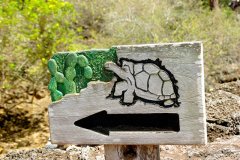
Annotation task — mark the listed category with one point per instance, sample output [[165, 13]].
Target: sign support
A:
[[132, 152]]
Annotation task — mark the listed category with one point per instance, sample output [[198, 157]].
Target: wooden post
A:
[[132, 152]]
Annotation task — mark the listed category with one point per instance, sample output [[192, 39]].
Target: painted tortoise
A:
[[146, 80]]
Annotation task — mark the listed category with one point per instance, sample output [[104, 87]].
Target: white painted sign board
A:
[[156, 97]]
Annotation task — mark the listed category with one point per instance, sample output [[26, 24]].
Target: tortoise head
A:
[[111, 66], [127, 66]]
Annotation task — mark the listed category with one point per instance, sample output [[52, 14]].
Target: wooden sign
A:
[[134, 94]]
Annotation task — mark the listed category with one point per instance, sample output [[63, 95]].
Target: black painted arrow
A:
[[103, 123]]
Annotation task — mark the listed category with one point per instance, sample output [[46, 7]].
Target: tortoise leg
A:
[[168, 103], [128, 97], [120, 87]]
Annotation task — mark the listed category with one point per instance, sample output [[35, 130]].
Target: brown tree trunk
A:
[[234, 4], [214, 4]]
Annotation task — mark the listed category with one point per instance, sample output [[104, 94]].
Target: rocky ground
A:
[[223, 111], [219, 150], [25, 126]]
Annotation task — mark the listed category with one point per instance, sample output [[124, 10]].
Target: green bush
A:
[[31, 31]]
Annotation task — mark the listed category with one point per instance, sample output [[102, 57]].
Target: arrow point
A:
[[94, 122]]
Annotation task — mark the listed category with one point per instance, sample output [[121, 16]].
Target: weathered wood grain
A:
[[184, 60], [131, 152]]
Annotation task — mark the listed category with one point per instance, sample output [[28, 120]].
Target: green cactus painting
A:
[[71, 71]]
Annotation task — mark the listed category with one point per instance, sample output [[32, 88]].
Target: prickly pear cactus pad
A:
[[71, 71]]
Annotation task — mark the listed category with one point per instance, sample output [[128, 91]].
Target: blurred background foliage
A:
[[31, 31]]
